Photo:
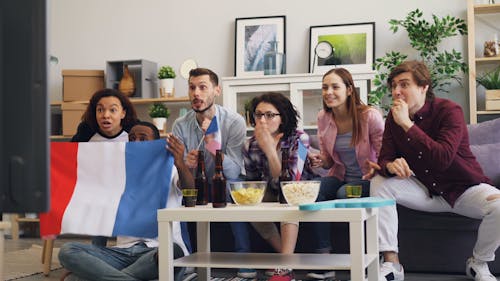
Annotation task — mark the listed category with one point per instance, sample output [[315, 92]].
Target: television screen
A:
[[24, 108]]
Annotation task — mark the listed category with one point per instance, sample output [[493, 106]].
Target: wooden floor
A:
[[25, 243]]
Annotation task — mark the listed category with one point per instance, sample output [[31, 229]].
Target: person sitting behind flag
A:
[[132, 258], [275, 121], [109, 117], [230, 133]]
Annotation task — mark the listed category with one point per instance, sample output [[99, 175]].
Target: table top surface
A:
[[263, 212]]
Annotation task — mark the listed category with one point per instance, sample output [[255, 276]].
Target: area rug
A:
[[27, 262]]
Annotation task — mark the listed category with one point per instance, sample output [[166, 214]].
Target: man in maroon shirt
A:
[[426, 164]]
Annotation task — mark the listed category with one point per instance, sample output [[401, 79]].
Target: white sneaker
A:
[[321, 275], [478, 270], [391, 271]]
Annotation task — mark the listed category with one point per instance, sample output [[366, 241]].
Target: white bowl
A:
[[247, 193], [300, 192]]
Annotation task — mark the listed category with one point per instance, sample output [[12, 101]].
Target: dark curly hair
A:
[[289, 115], [89, 117]]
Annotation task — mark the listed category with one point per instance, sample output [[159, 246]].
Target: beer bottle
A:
[[218, 183], [285, 173], [201, 181]]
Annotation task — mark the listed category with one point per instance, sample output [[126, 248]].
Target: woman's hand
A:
[[267, 142], [315, 159], [372, 169]]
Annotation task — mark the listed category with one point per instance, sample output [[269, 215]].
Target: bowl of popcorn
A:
[[300, 192], [247, 193]]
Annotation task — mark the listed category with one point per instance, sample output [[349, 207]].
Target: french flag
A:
[[216, 141], [301, 159], [107, 188]]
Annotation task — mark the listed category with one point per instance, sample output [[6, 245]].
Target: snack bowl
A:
[[300, 192], [247, 193]]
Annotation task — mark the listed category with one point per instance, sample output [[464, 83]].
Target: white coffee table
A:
[[357, 261]]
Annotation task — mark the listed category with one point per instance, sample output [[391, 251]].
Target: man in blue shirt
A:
[[190, 129]]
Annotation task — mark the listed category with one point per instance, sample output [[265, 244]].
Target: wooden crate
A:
[[493, 99]]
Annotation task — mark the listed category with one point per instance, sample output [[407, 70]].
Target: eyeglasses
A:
[[269, 115]]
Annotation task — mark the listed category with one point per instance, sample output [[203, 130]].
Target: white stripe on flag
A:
[[98, 189]]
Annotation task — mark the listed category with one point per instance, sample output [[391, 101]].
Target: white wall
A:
[[87, 33]]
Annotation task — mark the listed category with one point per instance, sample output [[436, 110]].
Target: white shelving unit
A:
[[363, 245], [304, 90], [477, 61]]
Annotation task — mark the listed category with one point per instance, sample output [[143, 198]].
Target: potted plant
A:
[[166, 75], [425, 37], [159, 113], [491, 82]]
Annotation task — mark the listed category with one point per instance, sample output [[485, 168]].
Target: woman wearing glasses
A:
[[350, 133], [275, 121]]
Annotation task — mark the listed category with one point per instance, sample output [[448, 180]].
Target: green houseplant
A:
[[165, 72], [490, 80], [159, 113], [425, 37], [166, 75], [159, 110]]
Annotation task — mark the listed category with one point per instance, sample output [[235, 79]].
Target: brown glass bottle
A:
[[285, 173], [218, 183], [201, 181]]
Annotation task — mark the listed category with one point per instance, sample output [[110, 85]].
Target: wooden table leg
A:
[[3, 226], [48, 248]]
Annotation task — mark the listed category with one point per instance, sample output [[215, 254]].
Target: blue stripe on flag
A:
[[148, 170], [302, 150], [213, 127]]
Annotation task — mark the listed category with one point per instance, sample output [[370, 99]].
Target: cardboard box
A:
[[80, 85], [71, 117], [492, 99]]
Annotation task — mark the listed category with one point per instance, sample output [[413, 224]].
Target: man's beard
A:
[[203, 110]]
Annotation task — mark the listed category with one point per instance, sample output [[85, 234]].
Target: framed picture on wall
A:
[[253, 38], [351, 46]]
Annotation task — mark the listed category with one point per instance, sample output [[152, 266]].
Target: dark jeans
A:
[[332, 188]]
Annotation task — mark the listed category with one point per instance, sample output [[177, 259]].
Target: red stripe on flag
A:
[[63, 175]]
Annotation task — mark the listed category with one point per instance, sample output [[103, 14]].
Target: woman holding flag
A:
[[275, 121], [350, 133]]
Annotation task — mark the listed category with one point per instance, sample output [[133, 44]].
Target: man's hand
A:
[[176, 147], [372, 169], [401, 114], [205, 123], [192, 159], [400, 168]]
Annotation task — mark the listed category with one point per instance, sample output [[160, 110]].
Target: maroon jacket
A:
[[436, 149]]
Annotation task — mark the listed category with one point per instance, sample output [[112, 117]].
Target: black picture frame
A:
[[353, 43]]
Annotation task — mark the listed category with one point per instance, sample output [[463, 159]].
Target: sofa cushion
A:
[[488, 157], [485, 132]]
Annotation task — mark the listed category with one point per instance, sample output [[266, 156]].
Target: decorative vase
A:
[[274, 61], [160, 123], [127, 83], [167, 87]]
